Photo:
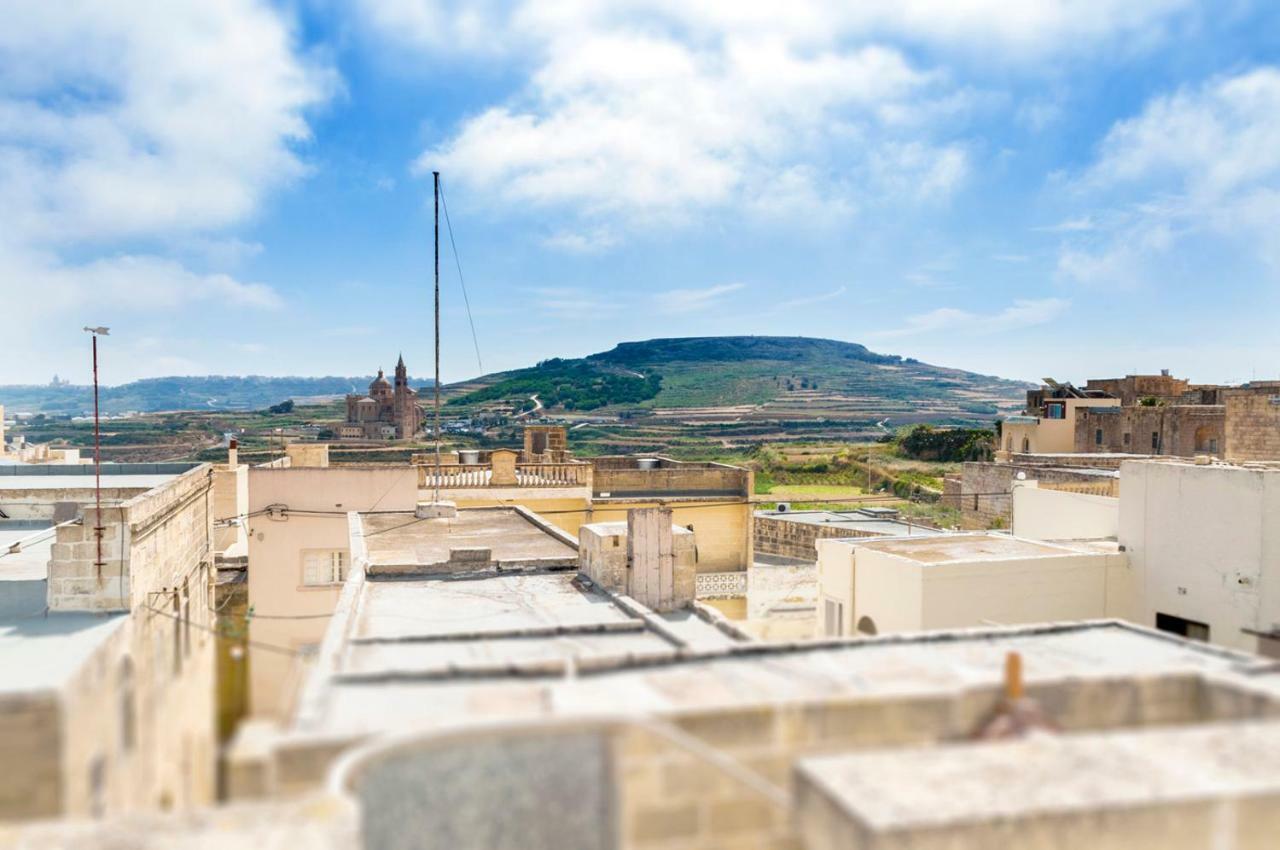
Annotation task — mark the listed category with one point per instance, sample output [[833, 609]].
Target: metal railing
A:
[[466, 476]]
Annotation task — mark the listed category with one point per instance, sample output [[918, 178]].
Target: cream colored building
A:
[[1050, 431], [1204, 544], [107, 695], [298, 557], [911, 584]]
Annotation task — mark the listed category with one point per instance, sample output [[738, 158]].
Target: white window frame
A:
[[335, 569]]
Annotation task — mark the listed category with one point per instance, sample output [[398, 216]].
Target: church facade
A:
[[388, 412]]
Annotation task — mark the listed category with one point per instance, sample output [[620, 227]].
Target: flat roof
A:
[[140, 483], [953, 548], [1042, 776], [854, 521], [403, 540], [936, 664], [40, 650]]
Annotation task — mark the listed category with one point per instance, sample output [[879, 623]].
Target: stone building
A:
[[107, 697], [1147, 415], [387, 413]]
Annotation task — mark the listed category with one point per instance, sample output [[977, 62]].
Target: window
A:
[[1026, 444], [323, 567], [1055, 411], [1097, 437], [1155, 442], [833, 618], [1128, 438], [1179, 626]]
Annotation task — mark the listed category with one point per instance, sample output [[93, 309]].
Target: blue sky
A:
[[1056, 188]]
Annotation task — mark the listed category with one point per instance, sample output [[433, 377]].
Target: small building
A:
[[1049, 422], [911, 584]]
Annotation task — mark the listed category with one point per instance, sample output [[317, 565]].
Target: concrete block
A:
[[436, 510]]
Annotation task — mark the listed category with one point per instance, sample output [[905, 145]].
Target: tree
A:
[[285, 406]]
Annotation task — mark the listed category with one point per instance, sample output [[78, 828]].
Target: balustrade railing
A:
[[461, 476]]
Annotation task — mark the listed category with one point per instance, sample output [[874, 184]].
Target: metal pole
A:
[[436, 182], [97, 461]]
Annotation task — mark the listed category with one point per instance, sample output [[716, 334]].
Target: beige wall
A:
[[1050, 436], [1041, 514], [230, 502], [1204, 542], [721, 530], [154, 661], [308, 454], [835, 583], [567, 513], [899, 594], [276, 547]]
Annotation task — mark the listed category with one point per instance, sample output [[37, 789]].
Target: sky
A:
[[1065, 188]]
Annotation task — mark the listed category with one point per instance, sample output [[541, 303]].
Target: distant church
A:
[[387, 412]]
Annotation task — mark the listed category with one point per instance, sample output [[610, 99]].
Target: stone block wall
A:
[[983, 491], [1176, 430], [152, 541], [776, 535], [672, 796], [1253, 423]]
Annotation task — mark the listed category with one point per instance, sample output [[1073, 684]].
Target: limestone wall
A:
[[30, 743], [983, 491], [774, 535], [1252, 424]]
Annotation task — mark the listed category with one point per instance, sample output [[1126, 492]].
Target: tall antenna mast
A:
[[436, 180]]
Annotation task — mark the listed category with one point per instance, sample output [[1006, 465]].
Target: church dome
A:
[[380, 381]]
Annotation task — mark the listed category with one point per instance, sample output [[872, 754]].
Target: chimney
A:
[[662, 560], [233, 453]]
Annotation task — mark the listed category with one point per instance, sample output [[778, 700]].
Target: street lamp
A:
[[97, 447]]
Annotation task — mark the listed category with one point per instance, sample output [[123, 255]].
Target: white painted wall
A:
[[900, 594], [1204, 544], [1058, 515], [835, 581]]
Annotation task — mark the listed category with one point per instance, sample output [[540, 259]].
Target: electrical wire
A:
[[256, 644], [465, 300]]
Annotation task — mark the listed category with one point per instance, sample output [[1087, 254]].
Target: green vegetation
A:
[[925, 442], [781, 379], [285, 406], [567, 384]]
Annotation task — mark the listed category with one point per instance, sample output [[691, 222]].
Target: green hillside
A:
[[743, 378]]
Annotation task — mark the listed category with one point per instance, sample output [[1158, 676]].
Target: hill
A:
[[209, 392], [743, 378]]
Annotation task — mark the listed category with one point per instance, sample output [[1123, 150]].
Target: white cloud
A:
[[568, 302], [1202, 161], [693, 300], [129, 118], [132, 136], [589, 241], [126, 282], [1022, 313], [805, 301], [653, 113], [643, 112], [995, 29]]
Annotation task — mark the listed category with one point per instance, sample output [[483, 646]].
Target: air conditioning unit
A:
[[783, 507]]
